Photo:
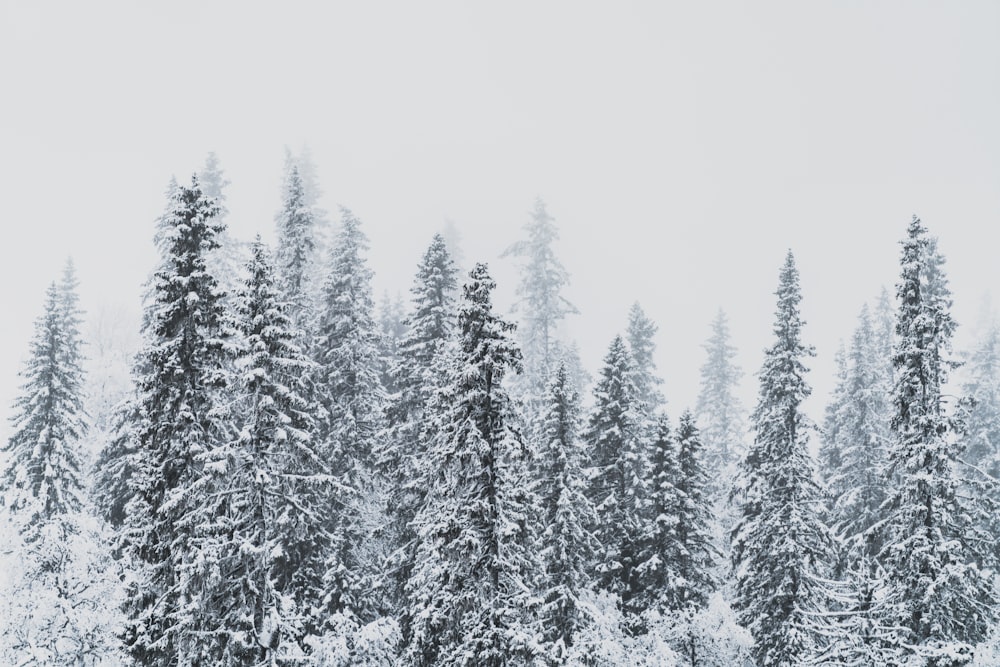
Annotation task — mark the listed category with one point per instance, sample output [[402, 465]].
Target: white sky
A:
[[682, 147]]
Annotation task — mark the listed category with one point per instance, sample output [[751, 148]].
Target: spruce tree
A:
[[351, 398], [42, 478], [695, 554], [832, 437], [779, 544], [226, 261], [982, 389], [565, 543], [541, 301], [938, 563], [296, 243], [72, 314], [468, 591], [641, 344], [181, 376], [857, 485], [59, 586], [271, 545], [718, 410], [615, 439], [429, 327], [392, 330]]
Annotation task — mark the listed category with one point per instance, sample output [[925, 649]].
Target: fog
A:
[[682, 149]]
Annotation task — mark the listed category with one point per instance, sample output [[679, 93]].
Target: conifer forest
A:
[[263, 462]]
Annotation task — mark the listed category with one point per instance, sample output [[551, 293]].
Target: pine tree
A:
[[660, 519], [618, 491], [779, 544], [352, 400], [640, 335], [226, 261], [937, 562], [42, 479], [982, 387], [72, 314], [324, 233], [271, 546], [392, 330], [566, 544], [540, 298], [59, 588], [296, 243], [718, 409], [860, 431], [830, 453], [429, 327], [181, 375], [696, 555], [468, 593]]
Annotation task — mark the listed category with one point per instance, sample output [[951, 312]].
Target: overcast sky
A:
[[681, 147]]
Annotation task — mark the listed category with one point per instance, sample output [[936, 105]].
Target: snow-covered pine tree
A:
[[213, 184], [227, 260], [272, 546], [884, 325], [859, 429], [615, 440], [939, 565], [660, 518], [350, 394], [779, 544], [72, 314], [324, 232], [59, 588], [392, 330], [181, 376], [295, 248], [679, 558], [429, 327], [982, 388], [468, 590], [831, 436], [541, 302], [641, 335], [42, 478], [694, 557], [565, 542], [718, 410]]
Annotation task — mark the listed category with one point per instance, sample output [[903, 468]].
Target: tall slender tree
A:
[[271, 546], [615, 439], [296, 243], [352, 399], [59, 587], [43, 478], [859, 429], [429, 327], [718, 409], [938, 563], [541, 301], [566, 543], [641, 335], [181, 376], [779, 544], [468, 590]]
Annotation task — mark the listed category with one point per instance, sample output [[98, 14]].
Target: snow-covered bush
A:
[[347, 643], [60, 595]]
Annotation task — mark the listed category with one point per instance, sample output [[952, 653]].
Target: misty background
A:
[[681, 148]]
